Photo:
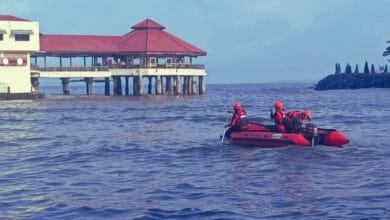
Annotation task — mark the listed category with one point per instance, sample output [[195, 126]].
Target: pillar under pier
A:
[[127, 85], [150, 85], [35, 83], [168, 85], [177, 85], [158, 85], [65, 86], [107, 86], [202, 85], [193, 89], [88, 83], [140, 87]]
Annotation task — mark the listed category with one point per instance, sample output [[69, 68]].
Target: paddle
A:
[[224, 128], [315, 132]]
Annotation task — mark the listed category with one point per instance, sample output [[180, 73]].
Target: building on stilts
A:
[[145, 61]]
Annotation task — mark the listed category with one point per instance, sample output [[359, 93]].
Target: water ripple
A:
[[78, 157]]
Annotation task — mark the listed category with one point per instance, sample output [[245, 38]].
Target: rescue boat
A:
[[268, 136]]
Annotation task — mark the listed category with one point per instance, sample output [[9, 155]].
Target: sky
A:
[[248, 41]]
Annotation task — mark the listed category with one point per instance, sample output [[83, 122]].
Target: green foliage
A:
[[366, 70], [372, 68], [348, 68], [356, 69]]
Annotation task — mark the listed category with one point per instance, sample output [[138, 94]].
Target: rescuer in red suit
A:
[[279, 115], [239, 121], [294, 120]]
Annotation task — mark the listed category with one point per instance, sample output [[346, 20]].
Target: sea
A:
[[160, 157]]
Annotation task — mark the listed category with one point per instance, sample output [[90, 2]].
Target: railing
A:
[[113, 66], [70, 69], [158, 66]]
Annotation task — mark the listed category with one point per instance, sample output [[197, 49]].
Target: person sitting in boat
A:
[[239, 121], [279, 115], [294, 120]]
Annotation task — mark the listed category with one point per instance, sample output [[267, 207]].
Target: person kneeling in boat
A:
[[293, 121], [239, 122], [279, 116]]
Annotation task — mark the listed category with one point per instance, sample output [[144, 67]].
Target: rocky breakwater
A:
[[354, 81]]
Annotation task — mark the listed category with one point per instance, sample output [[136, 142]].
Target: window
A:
[[153, 61], [169, 62], [22, 37], [1, 37]]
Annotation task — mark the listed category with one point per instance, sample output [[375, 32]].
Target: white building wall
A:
[[17, 78], [15, 55], [9, 43]]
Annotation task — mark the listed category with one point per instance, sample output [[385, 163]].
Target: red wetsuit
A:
[[294, 120], [239, 122], [278, 119], [239, 118]]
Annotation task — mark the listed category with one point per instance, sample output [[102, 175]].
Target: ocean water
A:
[[155, 157]]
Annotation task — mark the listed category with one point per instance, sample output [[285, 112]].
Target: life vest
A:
[[278, 117], [244, 121], [240, 118]]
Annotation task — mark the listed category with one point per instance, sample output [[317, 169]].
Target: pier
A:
[[145, 61]]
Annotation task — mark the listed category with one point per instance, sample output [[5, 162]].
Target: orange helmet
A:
[[307, 114], [237, 106], [278, 105]]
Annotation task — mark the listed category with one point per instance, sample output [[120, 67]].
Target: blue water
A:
[[99, 157]]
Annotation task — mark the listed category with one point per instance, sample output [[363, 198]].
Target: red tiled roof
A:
[[148, 37], [148, 24], [53, 43], [11, 18]]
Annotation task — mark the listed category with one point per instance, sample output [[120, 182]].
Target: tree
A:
[[385, 71], [337, 69], [356, 69], [348, 68], [387, 51], [366, 70], [372, 68]]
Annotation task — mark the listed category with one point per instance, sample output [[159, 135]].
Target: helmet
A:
[[307, 114], [278, 105], [237, 106]]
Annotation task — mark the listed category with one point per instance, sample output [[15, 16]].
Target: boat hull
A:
[[267, 136]]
